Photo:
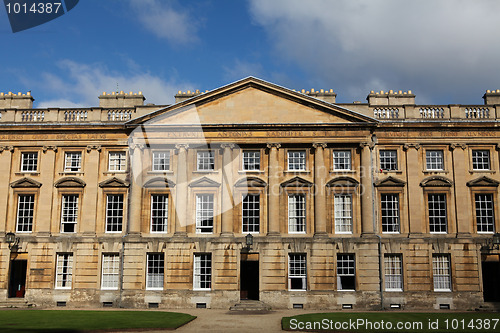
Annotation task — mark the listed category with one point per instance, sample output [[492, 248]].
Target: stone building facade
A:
[[252, 191]]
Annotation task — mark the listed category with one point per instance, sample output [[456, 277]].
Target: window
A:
[[296, 213], [29, 162], [388, 160], [159, 212], [251, 160], [155, 271], [438, 222], [25, 212], [72, 162], [480, 160], [204, 213], [69, 213], [161, 161], [110, 271], [485, 218], [64, 271], [114, 212], [251, 213], [205, 161], [341, 160], [346, 273], [202, 271], [434, 160], [297, 272], [390, 213], [297, 160], [117, 161], [393, 272], [441, 272], [343, 213]]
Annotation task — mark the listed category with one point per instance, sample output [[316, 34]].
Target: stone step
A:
[[15, 303], [250, 305]]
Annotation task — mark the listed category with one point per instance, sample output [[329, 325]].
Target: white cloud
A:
[[241, 69], [428, 46], [161, 18], [81, 84]]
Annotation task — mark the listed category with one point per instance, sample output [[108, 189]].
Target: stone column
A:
[[135, 216], [319, 190], [366, 189], [462, 194], [5, 170], [181, 189], [273, 208], [43, 225], [227, 189], [89, 203], [415, 196]]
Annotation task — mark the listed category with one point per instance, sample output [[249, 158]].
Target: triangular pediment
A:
[[390, 182], [252, 101], [296, 182], [204, 182], [483, 181], [159, 182], [69, 182], [342, 182], [114, 182], [25, 182], [250, 182], [436, 181]]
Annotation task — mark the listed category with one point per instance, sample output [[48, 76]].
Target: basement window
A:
[[107, 304], [444, 306], [346, 306], [61, 303], [201, 305], [153, 305], [298, 306]]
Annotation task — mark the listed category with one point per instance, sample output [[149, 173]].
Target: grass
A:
[[457, 322], [80, 321]]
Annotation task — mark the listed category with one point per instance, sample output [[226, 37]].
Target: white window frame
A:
[[25, 213], [438, 215], [117, 161], [202, 271], [388, 159], [297, 213], [390, 221], [205, 212], [346, 267], [345, 157], [297, 269], [342, 204], [205, 160], [110, 272], [296, 160], [29, 161], [161, 160], [159, 213], [72, 160], [69, 211], [64, 271], [114, 214], [481, 159], [485, 212], [441, 272], [250, 213], [393, 272], [155, 271], [434, 159], [251, 160]]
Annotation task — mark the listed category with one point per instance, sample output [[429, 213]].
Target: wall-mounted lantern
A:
[[249, 241], [12, 240]]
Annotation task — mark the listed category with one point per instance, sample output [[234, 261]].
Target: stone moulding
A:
[[436, 181], [69, 182], [250, 182], [113, 182], [25, 183], [483, 182]]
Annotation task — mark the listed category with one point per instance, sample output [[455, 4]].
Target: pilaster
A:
[[227, 193], [319, 190], [181, 189], [274, 190]]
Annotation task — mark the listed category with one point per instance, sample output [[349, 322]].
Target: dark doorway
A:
[[17, 281], [249, 273], [491, 275]]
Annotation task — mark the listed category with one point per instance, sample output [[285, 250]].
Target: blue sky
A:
[[445, 51]]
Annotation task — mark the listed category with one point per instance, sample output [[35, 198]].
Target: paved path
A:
[[234, 321]]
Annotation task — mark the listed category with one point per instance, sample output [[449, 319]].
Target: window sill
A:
[[342, 290], [109, 289], [153, 289], [242, 172], [297, 290], [31, 173], [349, 171], [297, 171], [398, 172], [206, 171], [442, 290], [394, 290], [158, 172], [114, 172], [429, 172], [202, 289], [482, 171]]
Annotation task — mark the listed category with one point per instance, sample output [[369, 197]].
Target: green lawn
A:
[[80, 321], [387, 322]]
